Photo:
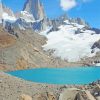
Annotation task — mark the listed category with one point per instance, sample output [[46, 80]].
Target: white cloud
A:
[[67, 4]]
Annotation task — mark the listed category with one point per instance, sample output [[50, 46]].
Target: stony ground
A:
[[12, 88]]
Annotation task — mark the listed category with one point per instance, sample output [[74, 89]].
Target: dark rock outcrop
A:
[[96, 45], [80, 22], [96, 30], [55, 23]]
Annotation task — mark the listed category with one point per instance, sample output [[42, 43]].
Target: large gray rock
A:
[[68, 95]]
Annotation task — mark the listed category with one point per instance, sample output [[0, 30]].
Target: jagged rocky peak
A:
[[26, 16], [80, 22], [6, 13], [35, 8], [55, 23]]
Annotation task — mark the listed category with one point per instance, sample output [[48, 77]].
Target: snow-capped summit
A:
[[26, 16], [35, 8], [32, 16], [6, 13]]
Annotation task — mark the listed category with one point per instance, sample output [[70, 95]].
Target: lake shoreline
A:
[[11, 70], [16, 88], [61, 76]]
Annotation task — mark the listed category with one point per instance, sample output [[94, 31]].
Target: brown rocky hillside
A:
[[25, 51]]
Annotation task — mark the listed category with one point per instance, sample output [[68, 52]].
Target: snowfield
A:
[[70, 46], [6, 17], [27, 16]]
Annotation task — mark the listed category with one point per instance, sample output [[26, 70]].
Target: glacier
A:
[[70, 46]]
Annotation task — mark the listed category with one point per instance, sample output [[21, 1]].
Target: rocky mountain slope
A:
[[24, 50]]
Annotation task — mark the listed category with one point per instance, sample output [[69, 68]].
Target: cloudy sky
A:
[[89, 10]]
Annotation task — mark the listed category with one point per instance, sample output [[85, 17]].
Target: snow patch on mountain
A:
[[68, 44], [26, 16], [46, 31], [6, 14], [6, 17]]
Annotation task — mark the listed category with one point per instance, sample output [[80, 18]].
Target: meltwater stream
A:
[[76, 75]]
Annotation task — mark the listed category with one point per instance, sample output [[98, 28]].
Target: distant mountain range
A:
[[63, 41]]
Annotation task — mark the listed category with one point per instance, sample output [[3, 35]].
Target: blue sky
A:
[[89, 10]]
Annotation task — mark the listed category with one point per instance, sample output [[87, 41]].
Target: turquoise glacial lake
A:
[[76, 75]]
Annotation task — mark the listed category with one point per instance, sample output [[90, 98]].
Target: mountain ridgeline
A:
[[33, 17]]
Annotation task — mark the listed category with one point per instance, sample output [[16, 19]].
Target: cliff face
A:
[[35, 7], [32, 16]]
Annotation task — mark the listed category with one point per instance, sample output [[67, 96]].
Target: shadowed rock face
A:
[[96, 30], [96, 45], [34, 7]]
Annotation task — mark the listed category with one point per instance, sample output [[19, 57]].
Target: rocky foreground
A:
[[12, 88]]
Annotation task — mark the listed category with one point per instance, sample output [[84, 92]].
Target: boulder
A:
[[25, 97], [68, 95], [45, 96]]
